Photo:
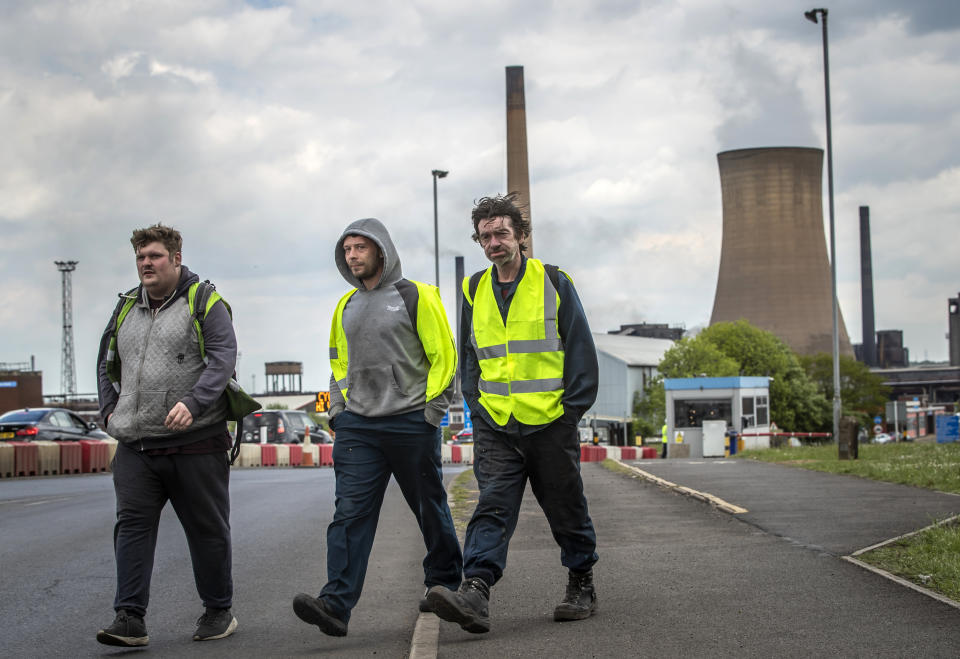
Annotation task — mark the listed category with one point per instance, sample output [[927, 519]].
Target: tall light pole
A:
[[837, 406], [437, 173]]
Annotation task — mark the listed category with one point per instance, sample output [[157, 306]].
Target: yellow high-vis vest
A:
[[521, 362], [437, 344]]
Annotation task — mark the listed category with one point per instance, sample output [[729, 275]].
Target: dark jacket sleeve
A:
[[581, 373], [106, 393], [220, 345]]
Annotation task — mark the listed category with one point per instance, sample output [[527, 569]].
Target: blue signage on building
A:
[[8, 384], [948, 429]]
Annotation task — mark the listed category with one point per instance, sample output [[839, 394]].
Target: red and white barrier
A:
[[48, 458], [6, 460], [25, 458], [94, 454]]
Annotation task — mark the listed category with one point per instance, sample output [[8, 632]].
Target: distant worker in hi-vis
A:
[[393, 362], [529, 372]]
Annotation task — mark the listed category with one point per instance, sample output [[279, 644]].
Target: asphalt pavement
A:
[[679, 578], [676, 577]]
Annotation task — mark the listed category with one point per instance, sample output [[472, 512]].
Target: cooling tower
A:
[[518, 173], [774, 270]]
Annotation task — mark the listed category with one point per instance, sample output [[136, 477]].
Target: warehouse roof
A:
[[632, 350]]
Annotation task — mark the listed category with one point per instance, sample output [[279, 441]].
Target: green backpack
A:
[[201, 297]]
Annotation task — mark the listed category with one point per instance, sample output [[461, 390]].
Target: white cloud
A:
[[261, 132]]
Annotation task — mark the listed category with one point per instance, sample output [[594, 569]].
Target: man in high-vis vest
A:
[[529, 372], [393, 362], [663, 441], [162, 397]]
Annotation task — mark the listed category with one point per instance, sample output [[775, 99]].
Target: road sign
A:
[[877, 419], [877, 429], [323, 401]]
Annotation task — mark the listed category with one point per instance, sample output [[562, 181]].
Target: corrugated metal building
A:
[[627, 363]]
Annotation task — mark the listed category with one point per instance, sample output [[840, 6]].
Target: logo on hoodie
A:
[[393, 308]]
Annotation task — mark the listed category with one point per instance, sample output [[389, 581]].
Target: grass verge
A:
[[922, 464], [931, 558], [463, 493]]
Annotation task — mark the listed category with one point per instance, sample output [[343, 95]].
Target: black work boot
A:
[[468, 607], [424, 604], [316, 612], [580, 600]]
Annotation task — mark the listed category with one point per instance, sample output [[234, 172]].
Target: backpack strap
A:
[[553, 272], [474, 284], [124, 305]]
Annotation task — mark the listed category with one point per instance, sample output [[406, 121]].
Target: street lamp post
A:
[[837, 406], [437, 173]]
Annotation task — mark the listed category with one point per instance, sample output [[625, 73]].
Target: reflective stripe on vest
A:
[[521, 362]]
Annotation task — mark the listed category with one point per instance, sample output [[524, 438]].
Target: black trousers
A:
[[198, 488], [503, 463]]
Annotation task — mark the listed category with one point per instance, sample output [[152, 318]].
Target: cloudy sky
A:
[[260, 129]]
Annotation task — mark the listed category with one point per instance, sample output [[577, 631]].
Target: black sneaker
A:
[[127, 630], [214, 624], [468, 607], [424, 604], [314, 611], [580, 600]]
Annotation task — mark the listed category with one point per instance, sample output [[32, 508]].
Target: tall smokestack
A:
[[774, 270], [866, 290], [518, 173], [953, 322]]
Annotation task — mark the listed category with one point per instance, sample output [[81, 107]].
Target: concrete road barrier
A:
[[628, 453], [25, 458], [446, 454], [296, 455], [48, 458], [111, 451], [94, 456], [466, 454], [283, 455], [6, 460], [326, 455], [250, 455], [268, 455], [71, 458], [455, 454]]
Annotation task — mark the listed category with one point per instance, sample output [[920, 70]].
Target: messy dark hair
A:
[[157, 233], [501, 206]]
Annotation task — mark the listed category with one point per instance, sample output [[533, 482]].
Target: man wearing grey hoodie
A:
[[393, 362]]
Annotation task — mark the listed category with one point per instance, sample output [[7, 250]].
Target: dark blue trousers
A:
[[365, 454], [198, 487], [503, 462]]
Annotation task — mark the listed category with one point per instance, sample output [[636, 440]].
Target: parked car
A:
[[882, 438], [282, 427], [47, 423], [463, 437]]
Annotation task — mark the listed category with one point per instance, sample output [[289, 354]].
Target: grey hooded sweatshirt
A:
[[387, 368]]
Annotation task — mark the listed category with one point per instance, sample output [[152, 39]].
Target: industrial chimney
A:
[[774, 270], [518, 173], [866, 290]]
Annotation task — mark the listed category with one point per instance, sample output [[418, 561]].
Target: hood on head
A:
[[373, 229]]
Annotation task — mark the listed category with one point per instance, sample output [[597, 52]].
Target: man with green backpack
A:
[[165, 362]]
